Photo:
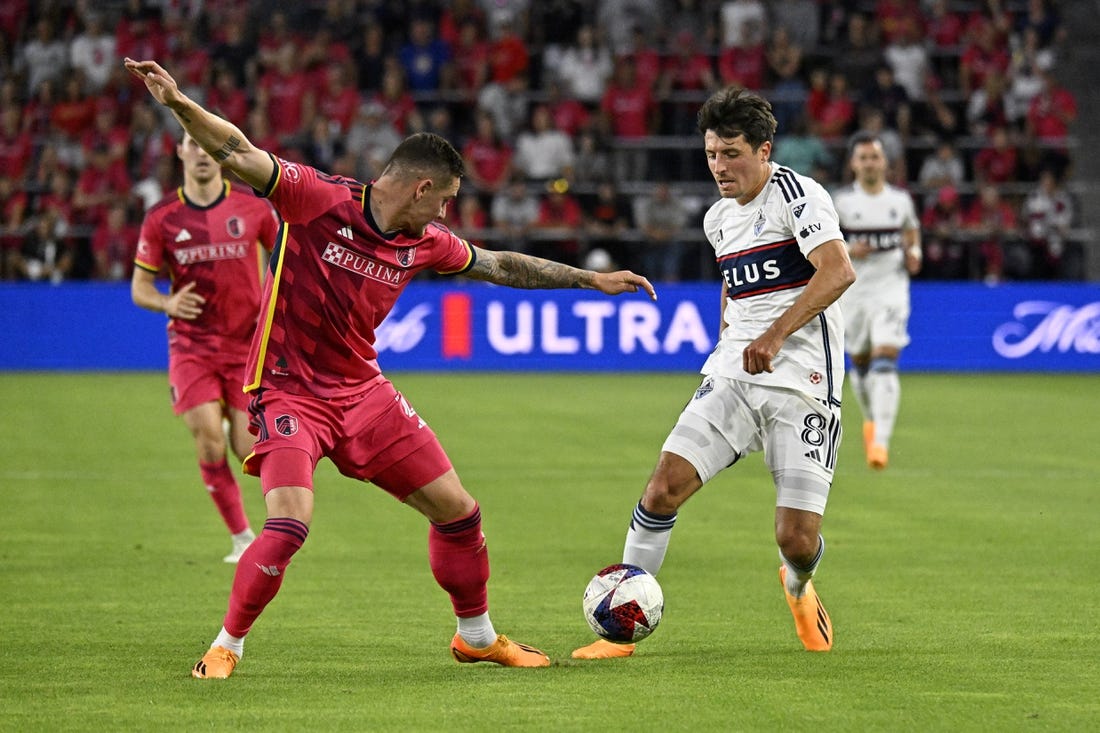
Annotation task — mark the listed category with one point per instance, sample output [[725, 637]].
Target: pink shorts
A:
[[197, 379], [373, 436]]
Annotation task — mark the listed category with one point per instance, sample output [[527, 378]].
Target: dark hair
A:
[[734, 111], [863, 138], [426, 154]]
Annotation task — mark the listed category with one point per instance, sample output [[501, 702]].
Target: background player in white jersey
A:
[[882, 230], [773, 381]]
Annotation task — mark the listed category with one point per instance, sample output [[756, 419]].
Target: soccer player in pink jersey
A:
[[211, 239], [345, 253]]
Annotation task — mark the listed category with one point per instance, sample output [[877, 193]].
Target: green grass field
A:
[[959, 581]]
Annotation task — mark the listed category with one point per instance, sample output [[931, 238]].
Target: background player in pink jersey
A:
[[349, 249], [210, 239]]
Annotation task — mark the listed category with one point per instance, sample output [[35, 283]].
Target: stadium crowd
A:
[[575, 117]]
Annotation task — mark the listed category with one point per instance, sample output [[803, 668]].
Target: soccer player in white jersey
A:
[[882, 230], [773, 381]]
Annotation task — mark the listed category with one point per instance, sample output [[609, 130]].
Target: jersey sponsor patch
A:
[[346, 259], [765, 269]]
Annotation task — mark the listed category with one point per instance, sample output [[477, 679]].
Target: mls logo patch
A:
[[286, 425], [234, 226], [798, 210], [815, 377], [758, 225]]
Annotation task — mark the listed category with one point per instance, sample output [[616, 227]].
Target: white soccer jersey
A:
[[879, 219], [761, 250]]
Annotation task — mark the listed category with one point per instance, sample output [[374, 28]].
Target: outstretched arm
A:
[[524, 271], [217, 136]]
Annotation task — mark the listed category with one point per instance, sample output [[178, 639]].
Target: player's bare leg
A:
[[801, 546], [673, 481]]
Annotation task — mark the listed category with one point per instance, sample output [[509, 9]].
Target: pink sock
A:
[[226, 494], [260, 572], [460, 563]]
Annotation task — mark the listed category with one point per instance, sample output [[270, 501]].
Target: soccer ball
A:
[[623, 603]]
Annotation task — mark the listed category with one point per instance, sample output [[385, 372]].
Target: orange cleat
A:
[[877, 456], [603, 649], [812, 623], [503, 651], [217, 664]]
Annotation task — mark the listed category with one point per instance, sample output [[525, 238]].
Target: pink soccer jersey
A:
[[217, 247], [334, 278]]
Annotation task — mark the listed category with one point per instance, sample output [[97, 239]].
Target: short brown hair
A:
[[426, 154], [734, 111]]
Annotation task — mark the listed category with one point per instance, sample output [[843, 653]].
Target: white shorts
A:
[[875, 322], [729, 419]]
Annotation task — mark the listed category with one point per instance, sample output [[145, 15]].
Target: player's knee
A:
[[797, 543]]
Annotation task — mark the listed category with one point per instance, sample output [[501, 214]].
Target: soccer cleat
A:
[[812, 623], [239, 546], [503, 651], [603, 649], [868, 434], [216, 664], [877, 456]]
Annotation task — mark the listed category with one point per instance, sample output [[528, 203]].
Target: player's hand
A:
[[185, 304], [623, 281], [757, 356], [158, 81], [858, 249], [913, 260]]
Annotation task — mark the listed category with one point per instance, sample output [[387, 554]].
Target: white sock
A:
[[477, 631], [798, 577], [859, 389], [234, 644], [245, 535], [647, 539], [884, 388]]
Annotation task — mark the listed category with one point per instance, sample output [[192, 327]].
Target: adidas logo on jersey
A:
[[345, 232], [183, 236]]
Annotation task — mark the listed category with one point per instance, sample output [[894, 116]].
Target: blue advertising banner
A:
[[472, 326]]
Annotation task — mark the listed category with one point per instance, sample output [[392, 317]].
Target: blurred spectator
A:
[[284, 93], [1048, 214], [227, 99], [942, 168], [71, 117], [745, 65], [13, 212], [323, 144], [887, 95], [661, 217], [106, 130], [149, 141], [16, 145], [542, 151], [908, 59], [468, 218], [154, 187], [471, 59], [618, 18], [800, 18], [607, 217], [733, 16], [788, 94], [895, 16], [987, 107], [993, 223], [190, 62], [935, 117], [594, 159], [508, 54], [943, 26], [859, 53], [488, 158], [114, 244], [454, 18], [1049, 116], [803, 152], [507, 103], [139, 34], [997, 161], [686, 69], [513, 212], [395, 98], [830, 110], [46, 254], [585, 67], [425, 58], [1029, 61], [371, 139], [983, 56], [43, 57], [369, 52], [94, 51], [234, 52], [274, 38], [945, 254], [100, 184], [559, 225], [321, 52], [339, 101], [645, 56], [687, 16], [1041, 17], [628, 111], [568, 114]]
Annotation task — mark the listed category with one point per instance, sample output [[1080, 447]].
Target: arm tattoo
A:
[[227, 148], [523, 271]]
